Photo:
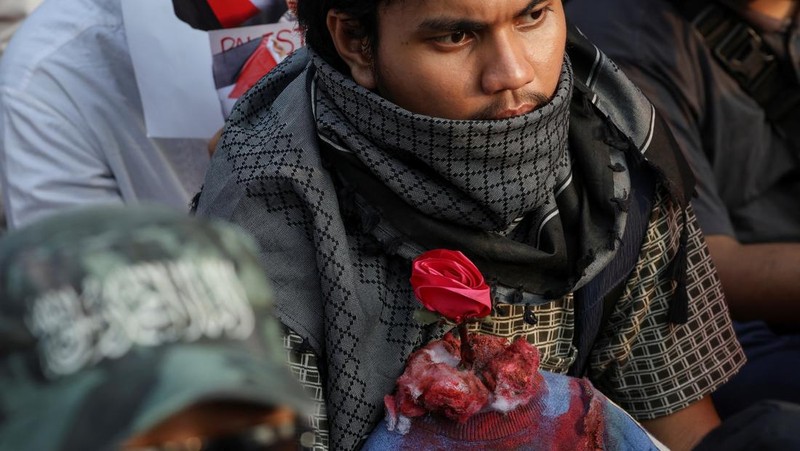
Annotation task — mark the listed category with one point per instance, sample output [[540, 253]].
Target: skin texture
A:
[[478, 59], [761, 281], [460, 59], [212, 143], [210, 420], [774, 8], [685, 428]]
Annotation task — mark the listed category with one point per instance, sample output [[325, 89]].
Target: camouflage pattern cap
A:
[[112, 319]]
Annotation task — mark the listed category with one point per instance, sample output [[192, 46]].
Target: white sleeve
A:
[[48, 160]]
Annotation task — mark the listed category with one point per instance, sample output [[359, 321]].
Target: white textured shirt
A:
[[72, 131]]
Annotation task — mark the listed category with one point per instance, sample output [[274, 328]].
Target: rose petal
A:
[[447, 282], [436, 280], [456, 304]]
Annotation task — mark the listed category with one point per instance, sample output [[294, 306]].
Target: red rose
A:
[[448, 283]]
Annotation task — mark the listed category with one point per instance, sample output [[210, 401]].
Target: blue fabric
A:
[[553, 425], [765, 426], [771, 357]]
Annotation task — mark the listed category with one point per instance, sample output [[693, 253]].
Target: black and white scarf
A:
[[502, 191], [484, 174]]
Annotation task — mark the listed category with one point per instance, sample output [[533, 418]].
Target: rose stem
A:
[[467, 356]]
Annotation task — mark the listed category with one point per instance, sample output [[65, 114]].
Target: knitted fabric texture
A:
[[567, 413]]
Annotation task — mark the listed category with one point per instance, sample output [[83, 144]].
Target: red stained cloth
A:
[[435, 381], [558, 413]]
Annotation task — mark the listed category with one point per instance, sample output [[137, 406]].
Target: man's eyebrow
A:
[[527, 9], [444, 24]]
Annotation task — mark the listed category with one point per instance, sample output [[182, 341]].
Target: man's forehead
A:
[[485, 10]]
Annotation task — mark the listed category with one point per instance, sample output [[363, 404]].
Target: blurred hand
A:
[[212, 143]]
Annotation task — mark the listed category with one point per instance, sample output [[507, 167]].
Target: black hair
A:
[[313, 14]]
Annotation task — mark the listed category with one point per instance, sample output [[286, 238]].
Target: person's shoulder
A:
[[623, 17], [632, 29], [57, 33], [284, 92]]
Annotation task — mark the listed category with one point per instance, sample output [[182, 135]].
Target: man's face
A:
[[469, 59]]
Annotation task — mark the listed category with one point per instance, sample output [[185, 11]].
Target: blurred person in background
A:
[[72, 130], [12, 13], [725, 75], [140, 328]]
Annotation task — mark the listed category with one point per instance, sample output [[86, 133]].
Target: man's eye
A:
[[537, 16], [455, 38]]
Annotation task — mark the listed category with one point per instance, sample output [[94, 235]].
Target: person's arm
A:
[[48, 161], [685, 428], [761, 281], [212, 143]]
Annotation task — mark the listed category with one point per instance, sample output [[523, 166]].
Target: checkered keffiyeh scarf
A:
[[502, 191], [483, 174]]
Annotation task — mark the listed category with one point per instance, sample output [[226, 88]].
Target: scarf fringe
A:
[[679, 304]]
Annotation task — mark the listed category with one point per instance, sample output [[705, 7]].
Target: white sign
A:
[[235, 72], [172, 62]]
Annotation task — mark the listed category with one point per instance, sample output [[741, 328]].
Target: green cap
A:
[[113, 319]]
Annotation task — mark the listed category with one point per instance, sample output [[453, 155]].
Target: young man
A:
[[463, 124], [746, 156]]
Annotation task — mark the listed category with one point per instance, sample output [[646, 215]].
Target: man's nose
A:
[[508, 64]]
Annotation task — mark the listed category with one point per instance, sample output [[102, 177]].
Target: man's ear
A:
[[352, 47]]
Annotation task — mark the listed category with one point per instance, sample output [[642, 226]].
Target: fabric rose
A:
[[448, 283]]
